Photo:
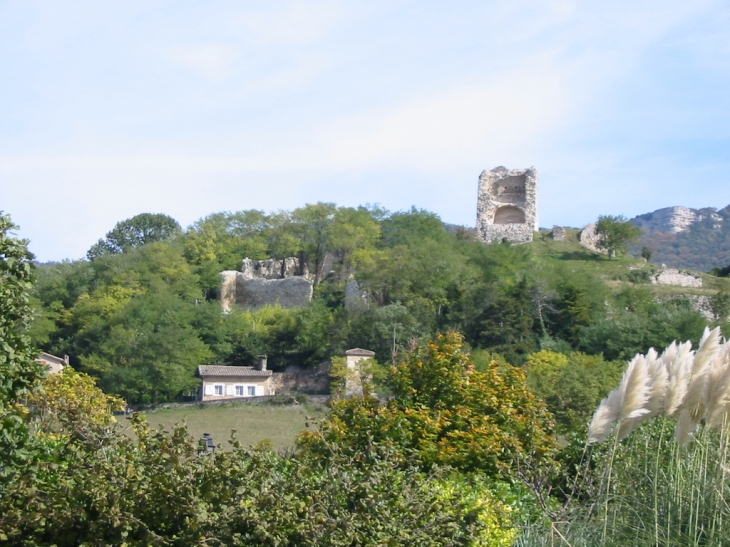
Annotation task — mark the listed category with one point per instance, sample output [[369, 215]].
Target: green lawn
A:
[[252, 423]]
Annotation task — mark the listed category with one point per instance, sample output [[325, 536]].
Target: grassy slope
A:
[[570, 254], [252, 423]]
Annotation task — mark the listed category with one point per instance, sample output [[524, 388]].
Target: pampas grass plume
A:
[[695, 404], [658, 384], [635, 388], [679, 370], [719, 398], [625, 404], [604, 417]]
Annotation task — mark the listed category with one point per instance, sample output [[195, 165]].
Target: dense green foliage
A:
[[142, 319], [19, 372], [160, 490], [571, 385]]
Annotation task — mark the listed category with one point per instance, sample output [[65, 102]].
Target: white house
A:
[[54, 364], [221, 382]]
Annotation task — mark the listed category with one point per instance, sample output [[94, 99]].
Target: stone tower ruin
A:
[[507, 205]]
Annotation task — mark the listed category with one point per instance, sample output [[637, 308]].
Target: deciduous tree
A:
[[615, 232], [135, 232]]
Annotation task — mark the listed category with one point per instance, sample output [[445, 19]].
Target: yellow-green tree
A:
[[447, 412], [70, 403]]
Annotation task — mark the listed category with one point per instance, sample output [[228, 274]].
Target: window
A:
[[218, 390], [239, 391], [251, 391]]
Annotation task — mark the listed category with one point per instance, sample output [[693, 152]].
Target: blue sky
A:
[[110, 109]]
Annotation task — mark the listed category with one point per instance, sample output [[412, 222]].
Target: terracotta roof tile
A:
[[214, 370]]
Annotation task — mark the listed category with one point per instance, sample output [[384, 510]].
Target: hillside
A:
[[143, 315], [687, 238]]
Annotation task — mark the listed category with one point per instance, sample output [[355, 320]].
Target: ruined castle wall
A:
[[507, 205], [559, 233], [680, 278], [265, 283], [290, 292], [588, 237]]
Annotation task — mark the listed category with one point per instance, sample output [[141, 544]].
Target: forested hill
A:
[[703, 243], [141, 313]]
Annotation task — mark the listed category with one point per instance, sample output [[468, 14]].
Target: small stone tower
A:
[[507, 205]]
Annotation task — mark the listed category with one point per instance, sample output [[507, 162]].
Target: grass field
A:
[[252, 423]]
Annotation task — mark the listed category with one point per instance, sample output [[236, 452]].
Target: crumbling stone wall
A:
[[507, 205], [559, 233], [264, 283], [670, 276], [312, 381], [589, 238]]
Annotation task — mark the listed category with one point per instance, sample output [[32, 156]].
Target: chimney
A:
[[262, 362]]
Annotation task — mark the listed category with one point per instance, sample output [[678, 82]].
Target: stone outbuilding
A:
[[54, 364], [353, 383], [221, 382]]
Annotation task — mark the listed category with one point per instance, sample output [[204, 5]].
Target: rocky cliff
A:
[[677, 219], [681, 237]]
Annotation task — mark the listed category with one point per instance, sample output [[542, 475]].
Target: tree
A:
[[720, 271], [571, 385], [70, 404], [507, 322], [615, 232], [19, 373], [646, 253], [573, 310], [135, 232], [445, 412], [720, 303]]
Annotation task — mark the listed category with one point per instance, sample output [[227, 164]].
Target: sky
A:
[[111, 109]]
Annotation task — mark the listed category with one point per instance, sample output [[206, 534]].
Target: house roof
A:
[[48, 358], [214, 370], [359, 351]]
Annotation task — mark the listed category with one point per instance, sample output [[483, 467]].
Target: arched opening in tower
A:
[[509, 215]]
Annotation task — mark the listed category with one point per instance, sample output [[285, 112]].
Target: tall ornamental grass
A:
[[663, 477]]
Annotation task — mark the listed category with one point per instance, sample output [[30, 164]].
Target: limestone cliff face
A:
[[675, 219], [680, 237]]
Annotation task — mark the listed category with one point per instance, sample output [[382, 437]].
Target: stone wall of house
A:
[[507, 205], [265, 282]]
